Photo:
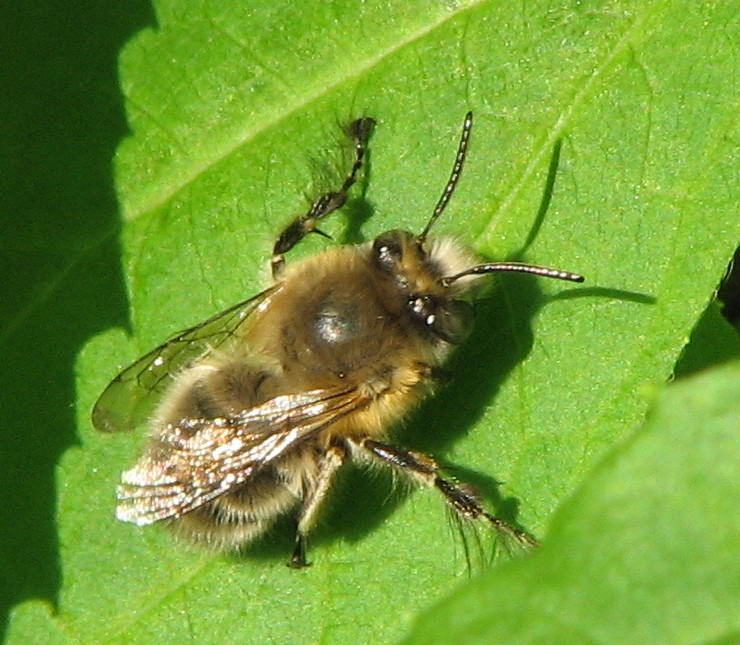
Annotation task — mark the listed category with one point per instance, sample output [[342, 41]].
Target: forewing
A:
[[130, 397], [200, 459]]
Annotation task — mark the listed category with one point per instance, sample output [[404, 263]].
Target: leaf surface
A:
[[231, 111]]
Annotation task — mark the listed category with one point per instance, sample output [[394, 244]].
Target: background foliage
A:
[[229, 110]]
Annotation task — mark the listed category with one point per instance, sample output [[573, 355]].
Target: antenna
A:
[[520, 267], [454, 175]]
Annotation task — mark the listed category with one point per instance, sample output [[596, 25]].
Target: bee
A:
[[253, 411]]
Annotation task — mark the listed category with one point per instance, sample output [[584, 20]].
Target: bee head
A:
[[418, 269], [430, 276]]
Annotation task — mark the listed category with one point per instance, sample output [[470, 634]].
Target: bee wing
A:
[[200, 459], [130, 397]]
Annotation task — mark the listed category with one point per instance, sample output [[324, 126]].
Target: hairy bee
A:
[[253, 411]]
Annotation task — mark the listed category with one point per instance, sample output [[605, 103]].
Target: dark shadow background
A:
[[61, 118]]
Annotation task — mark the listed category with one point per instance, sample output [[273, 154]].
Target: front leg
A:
[[302, 225]]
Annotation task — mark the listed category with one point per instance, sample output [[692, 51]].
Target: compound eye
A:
[[387, 251], [451, 321], [454, 322]]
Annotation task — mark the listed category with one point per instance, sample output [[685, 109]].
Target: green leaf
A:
[[231, 106], [644, 552]]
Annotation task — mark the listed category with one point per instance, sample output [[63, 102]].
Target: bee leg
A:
[[359, 131], [464, 500], [329, 463], [298, 559]]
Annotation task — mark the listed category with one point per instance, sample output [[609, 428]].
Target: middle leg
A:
[[329, 463]]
